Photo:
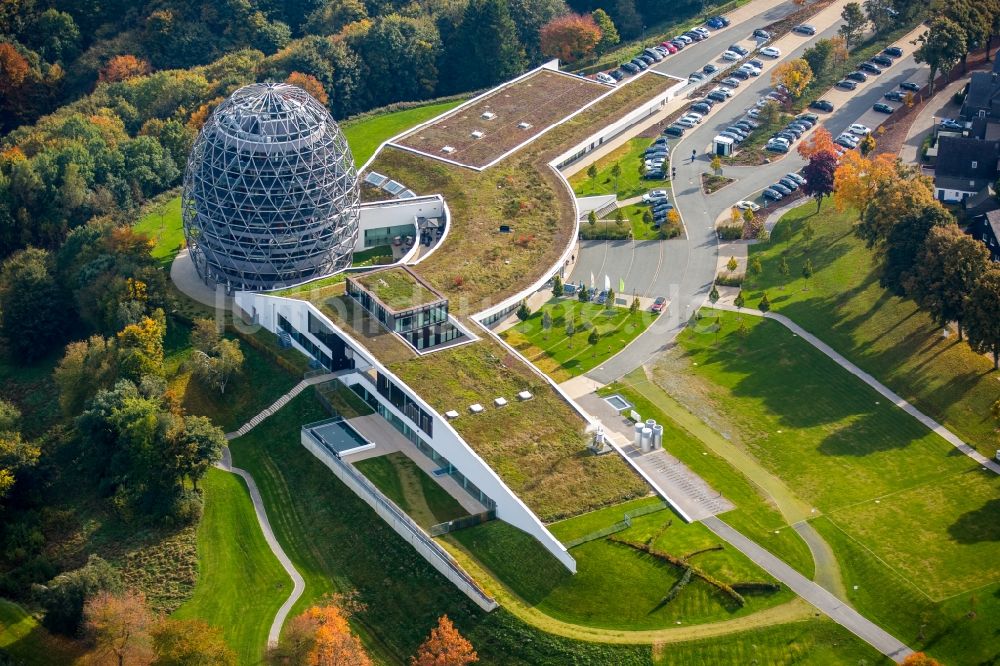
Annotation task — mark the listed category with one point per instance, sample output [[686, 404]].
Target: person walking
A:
[[694, 154]]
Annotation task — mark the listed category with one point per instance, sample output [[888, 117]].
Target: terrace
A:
[[397, 289], [482, 132]]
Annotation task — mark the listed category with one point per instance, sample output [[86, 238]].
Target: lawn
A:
[[26, 642], [642, 230], [918, 519], [885, 335], [411, 489], [616, 586], [397, 288], [629, 157], [162, 224], [366, 134], [562, 356], [240, 584]]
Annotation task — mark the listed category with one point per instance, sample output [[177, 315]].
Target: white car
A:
[[725, 91], [860, 130], [753, 113], [654, 195], [750, 69], [604, 78], [771, 51], [743, 205], [695, 116], [686, 122], [731, 56], [849, 138]]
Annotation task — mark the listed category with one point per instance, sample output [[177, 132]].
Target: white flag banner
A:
[[591, 280], [607, 283]]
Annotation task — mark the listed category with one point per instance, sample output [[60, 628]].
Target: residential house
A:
[[982, 98], [986, 228], [965, 169]]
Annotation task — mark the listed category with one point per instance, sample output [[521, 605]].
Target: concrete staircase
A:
[[278, 404]]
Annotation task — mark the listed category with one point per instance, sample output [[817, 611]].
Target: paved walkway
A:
[[886, 392], [298, 584], [823, 600], [186, 279]]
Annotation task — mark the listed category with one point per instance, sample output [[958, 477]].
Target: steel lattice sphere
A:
[[270, 191]]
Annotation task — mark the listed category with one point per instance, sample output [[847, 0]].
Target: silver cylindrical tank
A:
[[657, 436], [637, 438], [647, 440]]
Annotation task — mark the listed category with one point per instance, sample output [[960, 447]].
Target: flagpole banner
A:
[[607, 282], [621, 285]]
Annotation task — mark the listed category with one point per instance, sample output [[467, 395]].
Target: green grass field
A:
[[630, 182], [562, 357], [918, 518], [366, 134], [240, 583], [615, 586], [24, 641], [162, 224], [411, 489], [883, 334]]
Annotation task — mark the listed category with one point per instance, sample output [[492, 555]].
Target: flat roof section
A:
[[397, 288], [477, 134]]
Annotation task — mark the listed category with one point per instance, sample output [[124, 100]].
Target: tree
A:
[[819, 141], [609, 33], [919, 659], [819, 56], [948, 269], [217, 367], [487, 37], [764, 305], [820, 174], [310, 84], [557, 286], [627, 18], [17, 457], [583, 295], [196, 447], [755, 268], [570, 330], [904, 245], [858, 179], [33, 307], [593, 339], [895, 200], [616, 172], [619, 217], [982, 315], [975, 18], [205, 334], [529, 16], [807, 272], [190, 642], [592, 218], [523, 311], [783, 268], [119, 627], [795, 75], [569, 37], [647, 217], [546, 323], [87, 367], [713, 296], [444, 647], [867, 145], [732, 264], [55, 36], [854, 25], [140, 347], [610, 302], [592, 171], [64, 596], [940, 47], [880, 14], [634, 307], [321, 636], [739, 301], [716, 165], [14, 69], [807, 231], [403, 49], [122, 68]]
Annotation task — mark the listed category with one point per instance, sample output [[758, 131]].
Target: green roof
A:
[[397, 288]]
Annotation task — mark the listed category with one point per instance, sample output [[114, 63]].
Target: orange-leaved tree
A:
[[795, 75], [569, 37], [820, 141], [920, 659], [119, 628], [445, 647], [122, 67], [14, 68], [858, 179], [320, 636], [310, 84]]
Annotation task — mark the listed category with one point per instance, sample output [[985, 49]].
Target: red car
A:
[[668, 46], [658, 305]]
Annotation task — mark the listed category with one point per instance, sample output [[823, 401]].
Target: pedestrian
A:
[[673, 172], [694, 154]]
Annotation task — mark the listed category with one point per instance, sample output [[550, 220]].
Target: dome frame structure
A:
[[271, 194]]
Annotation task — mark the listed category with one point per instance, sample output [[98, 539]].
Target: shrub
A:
[[729, 279], [728, 232]]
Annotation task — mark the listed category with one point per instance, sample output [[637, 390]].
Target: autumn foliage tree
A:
[[123, 67], [310, 84], [819, 141], [444, 647], [919, 659], [858, 178], [570, 37], [188, 642], [119, 627], [321, 636], [14, 68], [819, 175], [795, 75]]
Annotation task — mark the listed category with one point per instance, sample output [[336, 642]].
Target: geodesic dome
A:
[[270, 192]]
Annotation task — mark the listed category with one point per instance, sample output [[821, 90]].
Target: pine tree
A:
[[807, 271], [764, 305], [557, 286], [485, 49], [523, 311], [739, 301], [713, 296], [732, 264]]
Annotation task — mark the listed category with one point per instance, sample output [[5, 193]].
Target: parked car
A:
[[871, 68], [701, 107], [694, 115], [675, 130], [658, 305], [771, 52], [786, 135], [895, 96], [821, 105], [730, 135], [743, 205], [804, 122], [745, 125], [709, 69], [655, 55], [882, 108], [702, 31], [678, 44], [696, 76], [617, 74], [736, 48], [730, 56], [789, 183], [952, 125], [753, 113], [801, 125], [647, 59], [759, 64], [805, 29], [686, 122], [760, 33], [715, 23], [739, 131], [669, 47], [717, 96], [683, 38], [750, 69], [785, 191], [630, 67], [859, 129], [725, 91], [654, 195], [798, 178], [776, 147], [860, 77], [640, 63], [882, 60], [731, 82], [910, 85], [844, 84], [696, 36], [740, 74], [809, 117], [605, 78], [893, 52], [772, 194]]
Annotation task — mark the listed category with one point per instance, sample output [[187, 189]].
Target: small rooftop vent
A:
[[488, 115], [477, 134], [476, 408], [523, 125], [500, 402], [448, 149], [524, 395], [451, 414]]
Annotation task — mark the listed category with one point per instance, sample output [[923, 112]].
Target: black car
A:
[[809, 117], [763, 34], [893, 52], [821, 105], [701, 107], [782, 189], [882, 108], [710, 102], [647, 59], [756, 63], [710, 69], [895, 96], [740, 74], [616, 74], [882, 60], [650, 53], [795, 131], [745, 125], [674, 130], [805, 29], [860, 77], [736, 48], [804, 122], [640, 63], [871, 68], [909, 85], [737, 130], [789, 183], [716, 96], [630, 67], [844, 84], [784, 134]]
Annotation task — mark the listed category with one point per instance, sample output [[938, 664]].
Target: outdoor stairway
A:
[[706, 499], [606, 210], [279, 403]]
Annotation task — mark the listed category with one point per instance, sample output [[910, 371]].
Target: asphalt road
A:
[[683, 270]]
